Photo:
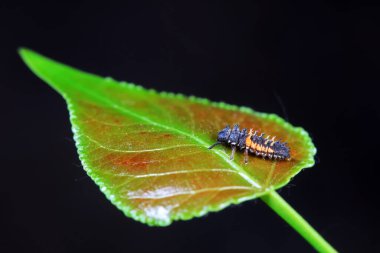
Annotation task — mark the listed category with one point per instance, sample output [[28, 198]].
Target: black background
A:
[[319, 59]]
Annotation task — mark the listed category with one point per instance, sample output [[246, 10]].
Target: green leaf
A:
[[147, 150]]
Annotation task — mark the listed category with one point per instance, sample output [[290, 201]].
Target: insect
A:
[[253, 143]]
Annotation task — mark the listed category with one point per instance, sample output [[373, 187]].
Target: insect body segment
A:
[[253, 143]]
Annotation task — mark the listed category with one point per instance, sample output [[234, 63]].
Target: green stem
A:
[[285, 211]]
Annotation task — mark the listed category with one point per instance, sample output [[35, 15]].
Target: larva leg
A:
[[233, 152], [246, 156], [213, 145]]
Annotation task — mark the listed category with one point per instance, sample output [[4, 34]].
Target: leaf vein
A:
[[138, 151], [191, 192]]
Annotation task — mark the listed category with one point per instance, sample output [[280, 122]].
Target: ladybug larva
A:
[[253, 143]]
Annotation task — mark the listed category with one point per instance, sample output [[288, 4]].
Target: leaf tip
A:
[[27, 55], [23, 52]]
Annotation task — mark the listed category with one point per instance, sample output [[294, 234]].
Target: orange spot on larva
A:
[[248, 141]]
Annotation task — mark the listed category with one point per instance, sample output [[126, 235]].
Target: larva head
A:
[[224, 134]]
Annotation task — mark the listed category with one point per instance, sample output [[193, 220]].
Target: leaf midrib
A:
[[148, 120]]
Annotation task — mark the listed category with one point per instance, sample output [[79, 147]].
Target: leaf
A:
[[147, 150]]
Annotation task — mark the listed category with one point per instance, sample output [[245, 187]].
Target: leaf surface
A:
[[148, 150]]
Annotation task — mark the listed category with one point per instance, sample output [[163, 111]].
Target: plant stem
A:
[[285, 211]]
